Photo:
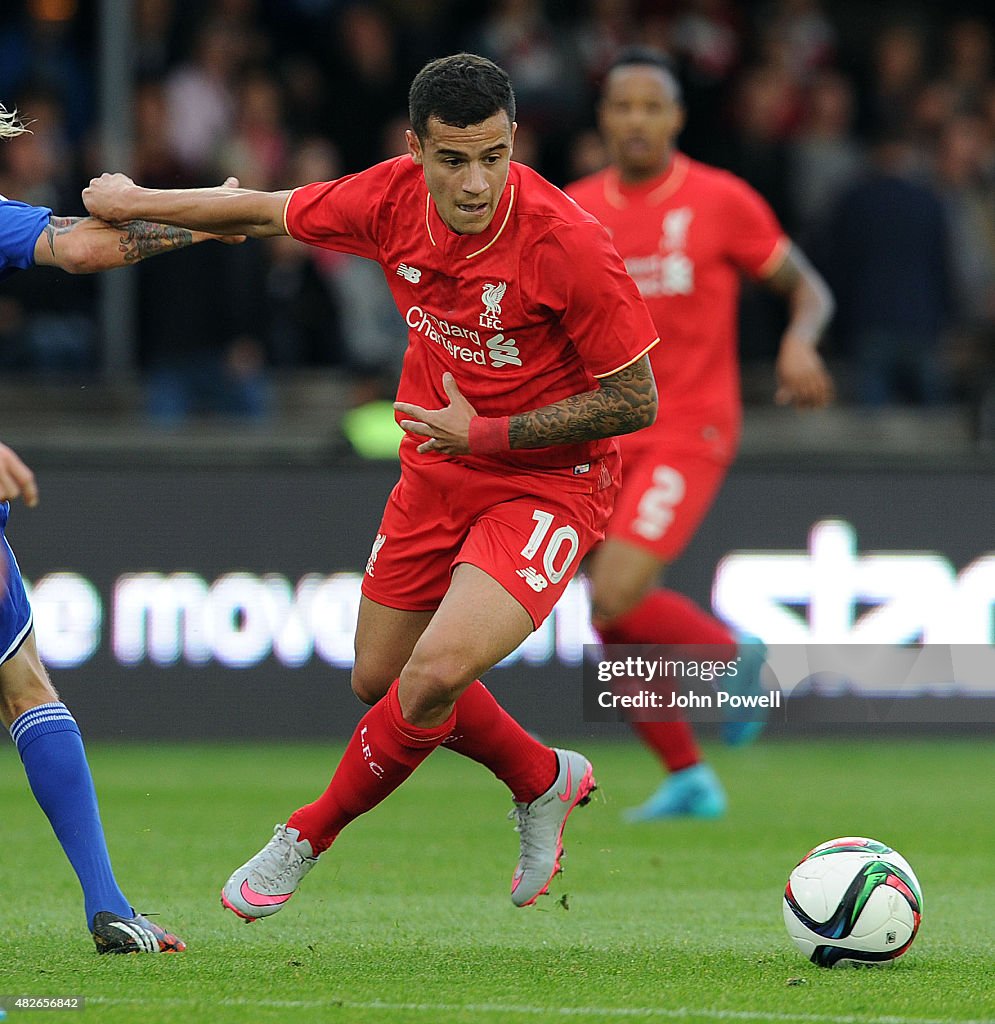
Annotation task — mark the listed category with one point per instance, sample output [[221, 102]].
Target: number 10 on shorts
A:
[[558, 552]]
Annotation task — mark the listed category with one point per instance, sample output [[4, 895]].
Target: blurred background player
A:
[[518, 309], [686, 232], [45, 732]]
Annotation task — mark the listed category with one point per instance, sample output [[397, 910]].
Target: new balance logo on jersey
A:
[[491, 297], [534, 579], [503, 351], [377, 545], [411, 274]]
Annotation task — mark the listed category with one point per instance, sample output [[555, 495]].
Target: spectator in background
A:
[[367, 84], [825, 159], [204, 353], [970, 207], [153, 44], [890, 268], [201, 104], [548, 76], [706, 39], [757, 151], [606, 27], [933, 107], [968, 64], [258, 145], [894, 79], [805, 35]]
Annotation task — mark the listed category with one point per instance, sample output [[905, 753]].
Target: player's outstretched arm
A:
[[224, 210], [802, 377], [625, 401], [16, 480]]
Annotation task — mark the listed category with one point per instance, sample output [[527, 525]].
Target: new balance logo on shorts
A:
[[412, 274], [534, 579]]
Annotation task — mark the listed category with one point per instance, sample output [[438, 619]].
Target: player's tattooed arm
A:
[[84, 245], [134, 241], [626, 401]]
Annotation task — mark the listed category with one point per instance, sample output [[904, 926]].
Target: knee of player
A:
[[441, 678], [610, 600], [369, 689]]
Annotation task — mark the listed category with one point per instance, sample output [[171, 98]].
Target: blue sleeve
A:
[[20, 226]]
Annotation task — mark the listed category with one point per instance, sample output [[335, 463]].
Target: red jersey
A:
[[685, 237], [529, 312]]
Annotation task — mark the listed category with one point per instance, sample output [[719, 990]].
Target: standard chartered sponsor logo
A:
[[503, 351], [446, 334], [670, 274], [500, 350]]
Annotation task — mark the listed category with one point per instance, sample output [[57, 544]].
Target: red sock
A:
[[672, 742], [383, 751], [666, 617], [486, 733]]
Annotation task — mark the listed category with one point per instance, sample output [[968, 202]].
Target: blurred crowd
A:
[[869, 128]]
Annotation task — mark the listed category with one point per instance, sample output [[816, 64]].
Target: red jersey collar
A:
[[469, 246], [655, 190]]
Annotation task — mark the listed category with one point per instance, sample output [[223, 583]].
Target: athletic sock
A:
[[672, 742], [51, 748], [486, 733], [383, 751], [666, 617]]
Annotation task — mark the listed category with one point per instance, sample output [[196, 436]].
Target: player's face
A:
[[640, 118], [465, 169]]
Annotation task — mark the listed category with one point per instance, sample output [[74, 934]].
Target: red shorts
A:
[[528, 531], [667, 489]]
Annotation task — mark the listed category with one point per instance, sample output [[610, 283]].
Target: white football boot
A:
[[541, 823]]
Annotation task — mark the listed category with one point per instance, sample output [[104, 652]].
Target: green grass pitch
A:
[[407, 920]]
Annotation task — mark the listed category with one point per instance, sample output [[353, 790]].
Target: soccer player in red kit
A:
[[687, 232], [527, 353]]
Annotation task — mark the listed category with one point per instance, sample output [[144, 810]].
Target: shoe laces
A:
[[282, 861], [529, 842]]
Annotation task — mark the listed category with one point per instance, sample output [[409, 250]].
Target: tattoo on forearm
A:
[[137, 239], [59, 226], [141, 239], [626, 401]]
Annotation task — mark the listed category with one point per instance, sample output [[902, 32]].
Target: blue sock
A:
[[51, 748]]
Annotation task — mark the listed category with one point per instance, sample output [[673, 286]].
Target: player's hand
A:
[[16, 480], [802, 377], [447, 430], [108, 197]]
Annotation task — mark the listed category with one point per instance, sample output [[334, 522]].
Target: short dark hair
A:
[[641, 56], [459, 90]]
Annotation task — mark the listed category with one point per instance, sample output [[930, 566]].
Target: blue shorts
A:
[[15, 611]]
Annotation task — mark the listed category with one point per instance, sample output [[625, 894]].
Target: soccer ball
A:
[[852, 901]]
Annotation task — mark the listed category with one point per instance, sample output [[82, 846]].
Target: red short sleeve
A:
[[581, 278], [341, 214], [757, 242]]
